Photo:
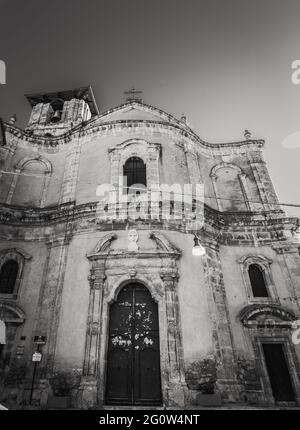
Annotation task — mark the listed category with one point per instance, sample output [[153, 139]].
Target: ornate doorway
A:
[[133, 360]]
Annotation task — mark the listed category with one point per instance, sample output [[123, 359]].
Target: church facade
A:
[[106, 300]]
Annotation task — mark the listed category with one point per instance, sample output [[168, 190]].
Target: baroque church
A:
[[174, 308]]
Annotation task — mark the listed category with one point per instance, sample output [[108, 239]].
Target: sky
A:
[[225, 64]]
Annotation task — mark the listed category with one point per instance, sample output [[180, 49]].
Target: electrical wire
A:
[[206, 196]]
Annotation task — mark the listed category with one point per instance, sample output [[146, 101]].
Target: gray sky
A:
[[226, 64]]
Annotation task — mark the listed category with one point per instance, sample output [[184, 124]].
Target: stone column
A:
[[227, 383], [176, 389]]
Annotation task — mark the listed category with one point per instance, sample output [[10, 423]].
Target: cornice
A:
[[168, 124], [214, 220]]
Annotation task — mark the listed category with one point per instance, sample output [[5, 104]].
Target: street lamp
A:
[[198, 250]]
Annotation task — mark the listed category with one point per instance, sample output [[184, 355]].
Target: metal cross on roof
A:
[[132, 95]]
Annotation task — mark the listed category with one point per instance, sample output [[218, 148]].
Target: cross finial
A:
[[132, 93], [247, 135]]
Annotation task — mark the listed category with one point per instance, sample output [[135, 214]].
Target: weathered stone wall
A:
[[83, 162], [18, 367], [207, 343]]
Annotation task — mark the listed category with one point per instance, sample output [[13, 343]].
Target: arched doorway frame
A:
[[272, 324], [110, 272]]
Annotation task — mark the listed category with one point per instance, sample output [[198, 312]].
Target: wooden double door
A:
[[133, 359]]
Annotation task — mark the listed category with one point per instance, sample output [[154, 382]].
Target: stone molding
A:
[[265, 264], [149, 152], [249, 316], [110, 271], [167, 123], [10, 313], [18, 170], [242, 178]]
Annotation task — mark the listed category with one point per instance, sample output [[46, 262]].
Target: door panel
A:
[[133, 362], [148, 367], [119, 375]]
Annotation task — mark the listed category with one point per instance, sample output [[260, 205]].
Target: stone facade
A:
[[73, 258]]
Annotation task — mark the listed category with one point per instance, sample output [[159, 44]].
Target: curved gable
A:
[[136, 111]]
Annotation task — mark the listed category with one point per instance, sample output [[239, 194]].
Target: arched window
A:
[[135, 172], [8, 276], [257, 281], [30, 188], [230, 185]]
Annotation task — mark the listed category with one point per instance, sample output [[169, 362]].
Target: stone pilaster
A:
[[90, 380], [227, 382], [176, 389], [69, 183], [47, 178], [75, 110], [115, 157], [13, 184], [193, 166], [197, 189], [91, 360], [40, 114], [152, 165], [49, 306], [214, 182], [245, 191], [6, 154], [289, 259], [264, 185]]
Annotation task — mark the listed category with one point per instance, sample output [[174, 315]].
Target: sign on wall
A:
[[37, 356]]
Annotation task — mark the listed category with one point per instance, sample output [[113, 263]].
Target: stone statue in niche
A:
[[133, 238]]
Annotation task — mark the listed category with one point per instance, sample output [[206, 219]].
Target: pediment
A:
[[161, 245], [266, 315], [103, 245], [11, 313], [136, 111]]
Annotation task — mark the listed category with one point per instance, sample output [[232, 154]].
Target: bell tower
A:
[[55, 113]]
